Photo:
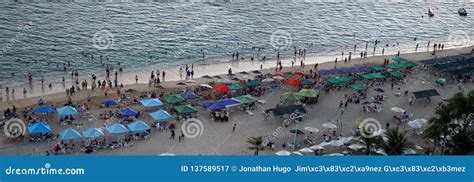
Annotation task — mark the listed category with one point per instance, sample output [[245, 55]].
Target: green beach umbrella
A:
[[334, 80], [185, 109], [173, 99], [307, 93], [290, 96], [358, 87], [378, 68], [396, 73], [252, 83], [245, 99], [346, 78], [377, 75], [234, 86], [399, 59]]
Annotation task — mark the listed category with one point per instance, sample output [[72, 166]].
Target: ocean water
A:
[[41, 37]]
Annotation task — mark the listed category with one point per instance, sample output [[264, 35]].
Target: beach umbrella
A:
[[185, 109], [278, 78], [277, 74], [356, 146], [173, 99], [336, 143], [334, 80], [189, 95], [307, 93], [307, 82], [396, 74], [329, 125], [378, 68], [161, 115], [316, 147], [381, 90], [335, 154], [207, 77], [358, 87], [293, 81], [44, 110], [268, 80], [67, 111], [181, 83], [311, 129], [110, 102], [409, 152], [301, 73], [69, 134], [92, 133], [152, 102], [138, 126], [380, 151], [252, 83], [117, 128], [346, 139], [290, 96], [297, 153], [415, 124], [234, 86], [224, 81], [221, 104], [323, 144], [399, 59], [167, 154], [244, 72], [417, 147], [246, 99], [283, 153], [205, 86], [127, 112], [377, 102], [256, 72], [306, 150], [420, 120], [297, 132], [39, 128], [397, 109], [221, 88], [190, 81], [130, 90]]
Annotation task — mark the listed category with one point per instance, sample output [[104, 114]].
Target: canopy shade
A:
[[336, 80], [396, 74], [246, 99], [293, 81], [67, 111], [222, 88], [69, 134], [358, 87], [426, 93], [399, 59], [189, 95], [280, 111], [290, 96], [92, 133], [161, 115], [44, 110], [152, 102], [234, 86], [173, 99], [185, 109], [221, 104], [307, 93], [378, 68], [253, 83], [127, 112], [373, 76], [307, 82], [110, 102], [138, 126], [39, 128], [117, 128]]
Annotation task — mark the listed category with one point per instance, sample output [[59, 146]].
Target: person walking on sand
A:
[[136, 78], [172, 135], [182, 136], [233, 128]]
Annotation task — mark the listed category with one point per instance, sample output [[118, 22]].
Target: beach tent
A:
[[221, 88], [67, 111], [399, 59], [378, 68], [92, 133], [234, 86], [372, 76], [221, 104], [252, 83], [138, 126], [39, 128], [205, 86], [290, 96], [307, 82], [151, 102], [185, 109], [426, 94], [110, 102], [293, 81], [127, 112], [189, 95], [268, 80], [334, 80], [69, 134], [117, 128], [161, 116], [358, 87], [246, 99], [396, 74], [44, 110], [294, 109], [173, 99], [307, 93]]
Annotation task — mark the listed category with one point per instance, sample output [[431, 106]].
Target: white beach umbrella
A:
[[329, 125], [205, 86], [297, 153], [167, 154], [306, 150], [335, 154], [278, 78], [409, 152], [336, 143], [415, 124], [421, 120], [311, 129], [379, 132], [418, 147], [283, 153], [397, 109], [356, 146], [316, 147], [346, 139], [190, 81], [380, 151], [223, 81], [268, 80], [323, 144]]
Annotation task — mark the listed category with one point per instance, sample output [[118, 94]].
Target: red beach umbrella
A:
[[301, 73], [293, 81], [278, 74], [222, 88]]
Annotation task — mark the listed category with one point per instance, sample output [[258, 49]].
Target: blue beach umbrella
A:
[[128, 112], [69, 134], [110, 102], [161, 115], [67, 111], [138, 126], [153, 102], [44, 110], [117, 128], [92, 133], [39, 128]]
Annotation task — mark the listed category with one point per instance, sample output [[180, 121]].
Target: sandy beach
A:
[[218, 138]]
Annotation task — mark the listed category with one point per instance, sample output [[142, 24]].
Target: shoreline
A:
[[173, 75]]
